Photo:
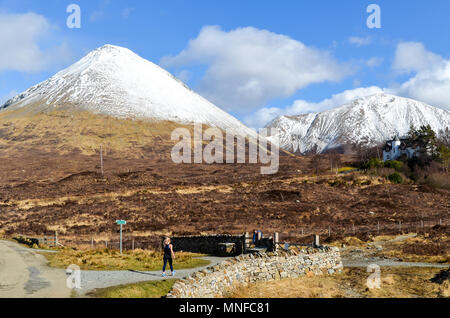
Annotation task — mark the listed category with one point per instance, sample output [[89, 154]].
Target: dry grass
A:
[[421, 248], [105, 259], [307, 287], [351, 283], [406, 257], [348, 241], [65, 130], [25, 205], [439, 180], [156, 289]]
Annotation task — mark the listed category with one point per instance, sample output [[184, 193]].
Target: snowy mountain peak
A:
[[115, 81], [371, 120], [109, 49]]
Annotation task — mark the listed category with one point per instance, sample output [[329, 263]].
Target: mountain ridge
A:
[[371, 120]]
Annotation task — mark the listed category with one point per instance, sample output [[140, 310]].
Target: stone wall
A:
[[209, 244], [219, 280]]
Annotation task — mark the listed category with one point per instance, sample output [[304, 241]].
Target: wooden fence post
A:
[[101, 159], [316, 242], [276, 241], [245, 242]]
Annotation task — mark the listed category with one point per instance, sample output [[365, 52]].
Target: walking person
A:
[[256, 237], [169, 256]]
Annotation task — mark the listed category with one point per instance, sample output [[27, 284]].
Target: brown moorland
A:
[[50, 181]]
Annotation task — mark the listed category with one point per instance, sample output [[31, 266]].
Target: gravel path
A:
[[388, 263], [364, 257], [91, 280]]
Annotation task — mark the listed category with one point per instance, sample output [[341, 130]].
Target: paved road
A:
[[24, 274]]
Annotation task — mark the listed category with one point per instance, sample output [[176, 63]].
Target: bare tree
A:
[[315, 162], [334, 159], [364, 152], [444, 137]]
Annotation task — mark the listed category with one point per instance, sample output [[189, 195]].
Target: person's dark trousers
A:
[[165, 264]]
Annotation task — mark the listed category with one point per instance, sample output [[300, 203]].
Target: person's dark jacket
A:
[[255, 236]]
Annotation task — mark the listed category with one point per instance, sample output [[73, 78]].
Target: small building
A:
[[397, 148]]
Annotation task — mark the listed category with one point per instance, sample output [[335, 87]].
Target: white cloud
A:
[[261, 117], [19, 37], [413, 57], [183, 75], [374, 61], [302, 106], [248, 67], [431, 80], [360, 41]]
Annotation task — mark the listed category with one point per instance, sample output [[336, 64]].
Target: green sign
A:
[[121, 222]]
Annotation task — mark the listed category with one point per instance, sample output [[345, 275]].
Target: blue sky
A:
[[256, 59]]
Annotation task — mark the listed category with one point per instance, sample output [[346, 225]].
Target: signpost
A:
[[121, 223]]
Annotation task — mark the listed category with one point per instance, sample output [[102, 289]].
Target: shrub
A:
[[385, 172], [30, 242], [395, 178], [346, 169], [373, 163], [337, 183], [397, 165]]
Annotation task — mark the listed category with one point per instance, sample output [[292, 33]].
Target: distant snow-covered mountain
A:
[[370, 120], [115, 81]]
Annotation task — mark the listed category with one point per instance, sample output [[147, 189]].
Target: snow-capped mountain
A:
[[370, 120], [114, 81]]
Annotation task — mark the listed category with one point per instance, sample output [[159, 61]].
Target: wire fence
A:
[[300, 235], [128, 243], [375, 228]]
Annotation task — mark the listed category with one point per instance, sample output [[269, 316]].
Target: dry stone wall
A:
[[219, 280]]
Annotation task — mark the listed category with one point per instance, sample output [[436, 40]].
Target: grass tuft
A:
[[154, 289]]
